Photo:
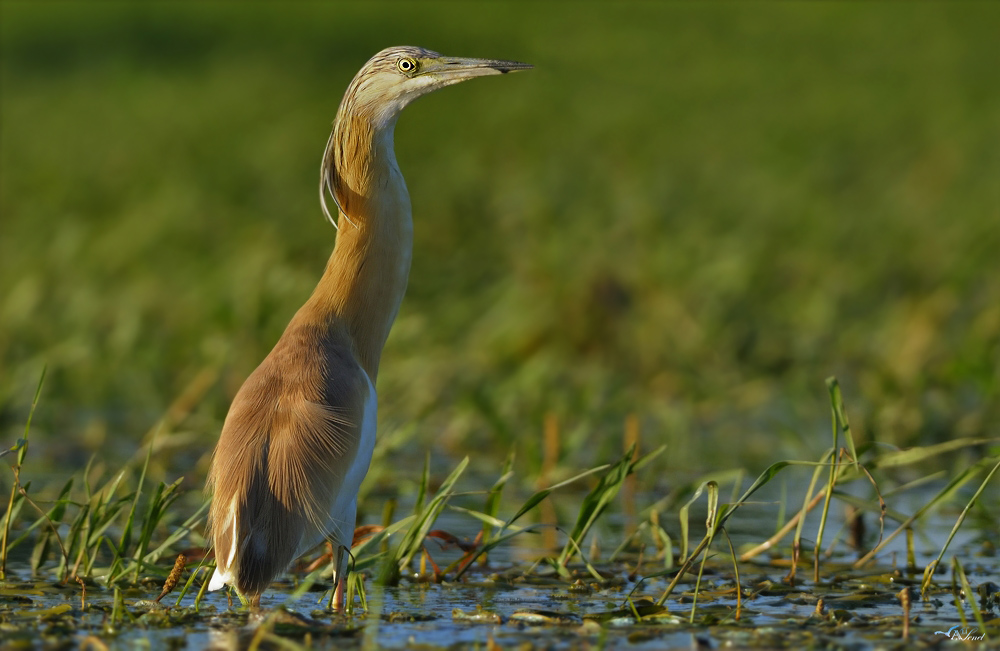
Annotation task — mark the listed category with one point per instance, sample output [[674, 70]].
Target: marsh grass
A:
[[119, 537]]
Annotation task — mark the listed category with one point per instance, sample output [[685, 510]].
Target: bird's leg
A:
[[334, 574], [340, 578], [255, 602]]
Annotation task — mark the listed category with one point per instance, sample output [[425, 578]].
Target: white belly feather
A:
[[344, 509]]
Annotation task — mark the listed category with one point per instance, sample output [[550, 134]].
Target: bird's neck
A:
[[365, 278]]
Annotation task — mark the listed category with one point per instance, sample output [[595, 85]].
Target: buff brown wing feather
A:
[[284, 450]]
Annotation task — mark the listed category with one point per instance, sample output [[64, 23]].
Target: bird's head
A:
[[382, 88], [397, 75]]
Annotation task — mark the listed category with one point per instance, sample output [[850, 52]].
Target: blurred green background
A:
[[690, 212]]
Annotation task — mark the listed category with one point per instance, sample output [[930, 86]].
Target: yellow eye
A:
[[407, 66]]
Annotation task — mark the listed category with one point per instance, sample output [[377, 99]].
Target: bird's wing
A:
[[289, 441]]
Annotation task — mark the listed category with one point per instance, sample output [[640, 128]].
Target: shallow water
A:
[[862, 610], [516, 601]]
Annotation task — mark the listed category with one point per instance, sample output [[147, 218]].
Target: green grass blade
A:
[[425, 479], [954, 485], [598, 499], [970, 595], [493, 499], [14, 512], [929, 570], [711, 522], [594, 504], [125, 541], [55, 514], [684, 518], [797, 537], [363, 560], [21, 449], [761, 481], [914, 455], [736, 573], [729, 510], [160, 501], [840, 422], [867, 506], [485, 518], [537, 497], [413, 540], [185, 529]]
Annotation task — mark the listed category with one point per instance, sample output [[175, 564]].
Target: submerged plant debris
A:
[[854, 609]]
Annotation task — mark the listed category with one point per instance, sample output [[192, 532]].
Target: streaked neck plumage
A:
[[366, 276]]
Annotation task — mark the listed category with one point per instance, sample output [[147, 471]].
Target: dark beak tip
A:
[[515, 67]]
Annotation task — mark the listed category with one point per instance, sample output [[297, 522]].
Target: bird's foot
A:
[[339, 603]]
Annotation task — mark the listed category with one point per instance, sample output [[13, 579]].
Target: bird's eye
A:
[[406, 65]]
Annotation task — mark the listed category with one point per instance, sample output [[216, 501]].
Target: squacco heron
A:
[[299, 435]]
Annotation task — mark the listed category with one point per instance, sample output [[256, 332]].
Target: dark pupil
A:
[[405, 65]]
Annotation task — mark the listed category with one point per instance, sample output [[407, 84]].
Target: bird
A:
[[298, 438]]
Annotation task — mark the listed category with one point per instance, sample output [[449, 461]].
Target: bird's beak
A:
[[452, 69]]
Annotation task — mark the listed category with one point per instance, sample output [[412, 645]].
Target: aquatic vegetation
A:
[[733, 595]]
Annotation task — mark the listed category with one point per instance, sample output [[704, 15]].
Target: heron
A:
[[298, 438]]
